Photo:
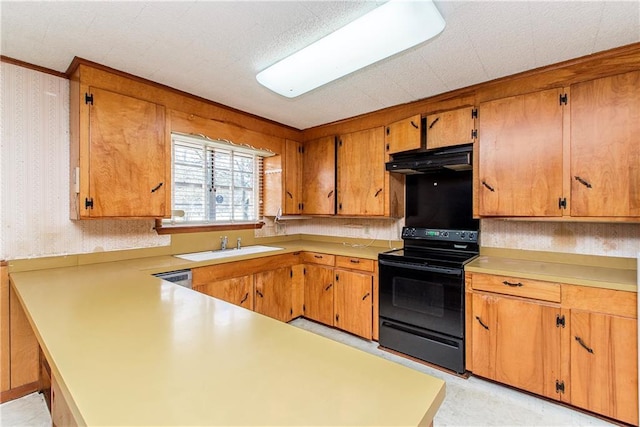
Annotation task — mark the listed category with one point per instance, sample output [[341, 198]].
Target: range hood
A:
[[456, 158]]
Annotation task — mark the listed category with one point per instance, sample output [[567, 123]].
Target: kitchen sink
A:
[[226, 253]]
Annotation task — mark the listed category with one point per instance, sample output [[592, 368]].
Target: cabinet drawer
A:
[[526, 288], [318, 258], [355, 263]]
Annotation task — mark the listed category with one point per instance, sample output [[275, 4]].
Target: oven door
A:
[[426, 297]]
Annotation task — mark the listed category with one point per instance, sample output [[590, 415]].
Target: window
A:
[[215, 181]]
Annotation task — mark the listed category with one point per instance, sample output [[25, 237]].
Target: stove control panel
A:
[[416, 233]]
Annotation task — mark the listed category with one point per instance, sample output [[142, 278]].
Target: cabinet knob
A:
[[259, 294], [328, 287], [156, 188], [488, 186], [245, 298], [365, 297]]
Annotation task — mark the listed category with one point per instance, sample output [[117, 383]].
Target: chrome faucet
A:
[[223, 243], [238, 243]]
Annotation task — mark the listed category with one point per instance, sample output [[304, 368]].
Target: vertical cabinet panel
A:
[[516, 342], [127, 152], [273, 293], [361, 173], [605, 151], [292, 178], [604, 367], [319, 294], [24, 346], [5, 360], [353, 302], [520, 155], [319, 177]]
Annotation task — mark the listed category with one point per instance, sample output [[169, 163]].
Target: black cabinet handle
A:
[[259, 294], [365, 297], [328, 287], [590, 350], [330, 194], [377, 192], [354, 261], [488, 186], [156, 188], [513, 285], [583, 182], [434, 122], [482, 323], [414, 125], [318, 256], [245, 298], [290, 195]]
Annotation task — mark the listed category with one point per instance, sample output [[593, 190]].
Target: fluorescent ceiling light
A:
[[391, 28]]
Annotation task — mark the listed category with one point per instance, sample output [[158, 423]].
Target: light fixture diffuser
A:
[[391, 28]]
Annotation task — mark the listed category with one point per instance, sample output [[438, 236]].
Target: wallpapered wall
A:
[[34, 176], [34, 193]]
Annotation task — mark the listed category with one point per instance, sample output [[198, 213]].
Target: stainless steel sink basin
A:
[[208, 255]]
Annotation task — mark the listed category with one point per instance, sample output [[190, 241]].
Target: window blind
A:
[[215, 181]]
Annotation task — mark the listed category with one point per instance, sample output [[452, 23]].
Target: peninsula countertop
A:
[[130, 349]]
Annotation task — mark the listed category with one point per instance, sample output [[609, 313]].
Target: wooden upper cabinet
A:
[[123, 154], [403, 135], [520, 155], [604, 364], [319, 177], [361, 173], [449, 128], [605, 150], [292, 178], [516, 342]]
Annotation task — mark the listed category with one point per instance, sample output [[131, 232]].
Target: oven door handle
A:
[[419, 267]]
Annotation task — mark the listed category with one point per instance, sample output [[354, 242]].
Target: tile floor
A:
[[468, 402]]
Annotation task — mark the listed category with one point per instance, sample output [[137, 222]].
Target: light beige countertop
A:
[[601, 272], [130, 349]]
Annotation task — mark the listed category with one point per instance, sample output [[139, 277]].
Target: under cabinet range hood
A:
[[456, 158]]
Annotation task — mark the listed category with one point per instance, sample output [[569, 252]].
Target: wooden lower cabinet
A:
[[237, 290], [604, 365], [516, 342], [318, 294], [352, 302], [273, 293], [61, 414], [581, 349]]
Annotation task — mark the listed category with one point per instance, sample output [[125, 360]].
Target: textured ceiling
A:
[[215, 49]]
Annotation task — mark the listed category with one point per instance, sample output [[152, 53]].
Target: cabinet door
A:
[[516, 342], [353, 302], [604, 366], [319, 177], [520, 155], [605, 152], [403, 135], [318, 294], [292, 178], [273, 293], [127, 157], [297, 290], [238, 291], [361, 173], [450, 128]]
